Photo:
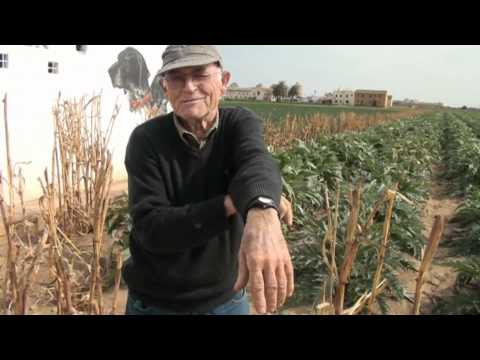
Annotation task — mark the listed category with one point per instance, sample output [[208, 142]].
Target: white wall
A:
[[32, 92], [343, 96]]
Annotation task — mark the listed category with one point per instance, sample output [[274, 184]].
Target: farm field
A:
[[376, 205], [279, 111], [434, 161]]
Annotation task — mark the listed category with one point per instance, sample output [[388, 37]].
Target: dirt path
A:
[[440, 280]]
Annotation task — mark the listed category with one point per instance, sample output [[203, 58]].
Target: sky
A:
[[434, 73]]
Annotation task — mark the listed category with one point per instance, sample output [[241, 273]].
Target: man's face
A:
[[195, 92]]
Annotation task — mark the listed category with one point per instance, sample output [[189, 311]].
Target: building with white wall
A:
[[34, 75], [259, 93], [343, 97]]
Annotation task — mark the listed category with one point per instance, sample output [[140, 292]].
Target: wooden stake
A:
[[434, 240]]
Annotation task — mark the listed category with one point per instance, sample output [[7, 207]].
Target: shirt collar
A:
[[185, 133]]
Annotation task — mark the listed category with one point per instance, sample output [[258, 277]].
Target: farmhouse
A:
[[373, 98], [259, 92], [343, 97]]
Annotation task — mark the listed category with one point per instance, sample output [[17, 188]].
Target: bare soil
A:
[[440, 279]]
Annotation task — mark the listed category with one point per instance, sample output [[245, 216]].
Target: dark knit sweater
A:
[[183, 247]]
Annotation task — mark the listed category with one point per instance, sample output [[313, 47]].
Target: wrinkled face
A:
[[195, 92]]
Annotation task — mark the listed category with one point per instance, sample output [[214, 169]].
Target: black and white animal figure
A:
[[131, 74]]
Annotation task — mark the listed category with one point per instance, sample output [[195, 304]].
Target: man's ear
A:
[[225, 81], [162, 85]]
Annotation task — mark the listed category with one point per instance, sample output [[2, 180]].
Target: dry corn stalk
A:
[[391, 197], [7, 219], [434, 240], [22, 266], [101, 207], [11, 208], [325, 308], [330, 238], [82, 173], [362, 301], [80, 146], [118, 274], [22, 257], [280, 135], [351, 248], [58, 268], [356, 235], [28, 278], [10, 282]]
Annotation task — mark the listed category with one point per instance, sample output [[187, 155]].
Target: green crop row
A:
[[401, 153], [461, 145]]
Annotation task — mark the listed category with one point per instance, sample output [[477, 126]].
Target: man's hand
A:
[[264, 261], [286, 211]]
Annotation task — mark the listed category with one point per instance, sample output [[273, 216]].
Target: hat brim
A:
[[187, 62]]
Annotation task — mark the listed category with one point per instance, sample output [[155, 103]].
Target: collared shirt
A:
[[190, 138]]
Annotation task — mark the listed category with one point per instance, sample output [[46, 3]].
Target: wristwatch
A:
[[263, 202]]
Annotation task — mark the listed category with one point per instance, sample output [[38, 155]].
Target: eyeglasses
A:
[[179, 81]]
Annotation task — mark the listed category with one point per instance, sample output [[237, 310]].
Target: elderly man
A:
[[205, 199]]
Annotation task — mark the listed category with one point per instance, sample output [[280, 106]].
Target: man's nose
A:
[[189, 84]]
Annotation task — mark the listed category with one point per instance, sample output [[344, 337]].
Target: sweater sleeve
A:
[[255, 171], [157, 225]]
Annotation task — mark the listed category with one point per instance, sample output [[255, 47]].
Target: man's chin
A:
[[193, 115]]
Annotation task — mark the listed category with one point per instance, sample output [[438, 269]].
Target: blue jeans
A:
[[238, 305]]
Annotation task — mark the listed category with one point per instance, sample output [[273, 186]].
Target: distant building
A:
[[418, 104], [430, 105], [405, 102], [390, 101], [327, 99], [343, 97], [259, 92], [311, 99], [299, 90], [373, 98]]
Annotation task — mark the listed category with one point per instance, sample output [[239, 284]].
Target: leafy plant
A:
[[118, 221]]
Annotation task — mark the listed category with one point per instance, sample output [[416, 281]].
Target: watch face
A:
[[265, 200]]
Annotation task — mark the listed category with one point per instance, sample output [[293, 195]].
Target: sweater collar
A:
[[190, 138]]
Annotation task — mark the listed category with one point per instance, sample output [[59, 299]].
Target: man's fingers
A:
[[290, 215], [286, 211], [282, 286], [271, 289], [257, 289], [290, 278], [242, 278]]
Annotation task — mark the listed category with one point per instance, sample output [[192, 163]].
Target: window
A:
[[4, 61], [52, 67]]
